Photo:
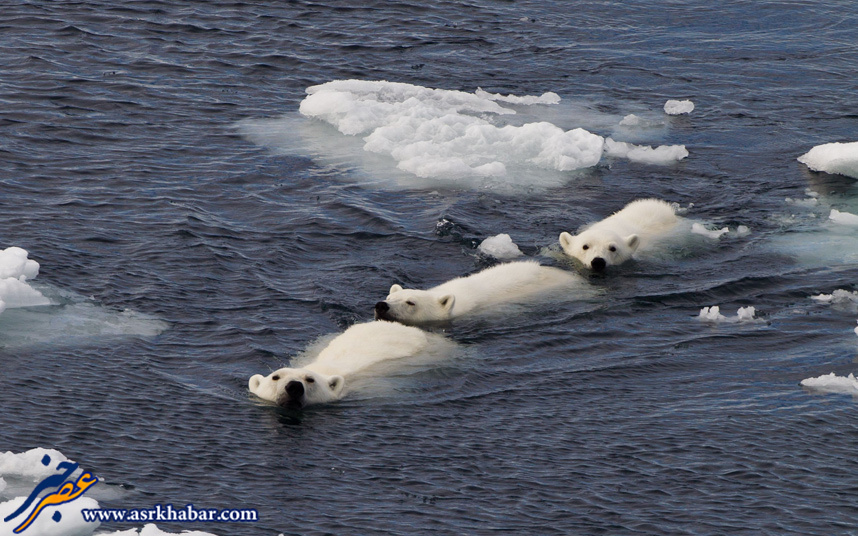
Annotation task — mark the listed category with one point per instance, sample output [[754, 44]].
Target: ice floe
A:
[[843, 218], [837, 158], [33, 312], [500, 247], [713, 314], [438, 137], [678, 107], [831, 383]]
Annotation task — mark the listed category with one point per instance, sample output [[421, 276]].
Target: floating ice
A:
[[677, 107], [34, 313], [15, 270], [843, 218], [831, 383], [839, 158], [500, 247], [839, 296], [545, 98], [662, 155], [698, 228], [713, 314], [439, 138]]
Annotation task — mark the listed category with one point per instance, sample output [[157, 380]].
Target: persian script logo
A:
[[63, 491]]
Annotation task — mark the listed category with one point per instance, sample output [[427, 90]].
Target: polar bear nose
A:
[[598, 264], [382, 307], [295, 389]]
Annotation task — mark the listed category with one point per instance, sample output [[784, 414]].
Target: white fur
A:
[[354, 350], [615, 239], [505, 283]]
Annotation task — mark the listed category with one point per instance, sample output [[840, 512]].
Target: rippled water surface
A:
[[124, 172]]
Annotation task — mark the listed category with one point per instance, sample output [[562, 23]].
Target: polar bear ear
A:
[[447, 301], [633, 241], [254, 382], [335, 383], [394, 288], [566, 239]]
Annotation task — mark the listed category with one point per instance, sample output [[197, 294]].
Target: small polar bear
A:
[[615, 239], [513, 282], [356, 349]]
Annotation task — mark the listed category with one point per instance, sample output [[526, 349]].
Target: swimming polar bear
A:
[[615, 239], [356, 349], [512, 282]]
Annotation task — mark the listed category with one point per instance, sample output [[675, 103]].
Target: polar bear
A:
[[513, 282], [615, 239], [356, 349]]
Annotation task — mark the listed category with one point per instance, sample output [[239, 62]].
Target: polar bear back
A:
[[364, 345], [504, 283], [645, 217]]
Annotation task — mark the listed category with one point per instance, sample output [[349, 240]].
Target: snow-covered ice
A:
[[713, 314], [500, 247], [831, 383], [843, 218], [662, 155], [35, 313], [677, 107], [16, 269], [837, 158], [438, 137]]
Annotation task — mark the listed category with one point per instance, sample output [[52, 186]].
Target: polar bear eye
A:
[[411, 303], [311, 379], [275, 377], [585, 247], [613, 248]]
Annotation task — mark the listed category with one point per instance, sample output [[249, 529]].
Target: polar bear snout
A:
[[382, 311], [295, 390], [598, 264]]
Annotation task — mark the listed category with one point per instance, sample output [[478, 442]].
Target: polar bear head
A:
[[297, 387], [414, 306], [599, 248]]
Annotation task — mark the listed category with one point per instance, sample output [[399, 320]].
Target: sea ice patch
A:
[[831, 383], [843, 218], [713, 314], [678, 107], [445, 138], [500, 247], [835, 158], [662, 155]]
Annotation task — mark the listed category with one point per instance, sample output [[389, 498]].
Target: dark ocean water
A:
[[123, 172]]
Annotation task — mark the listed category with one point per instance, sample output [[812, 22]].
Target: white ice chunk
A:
[[500, 247], [662, 155], [713, 314], [839, 296], [840, 158], [843, 218], [698, 228], [831, 383], [28, 465], [677, 107], [546, 98], [631, 120]]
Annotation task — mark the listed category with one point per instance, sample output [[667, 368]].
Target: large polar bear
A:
[[513, 282], [356, 349], [615, 239]]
